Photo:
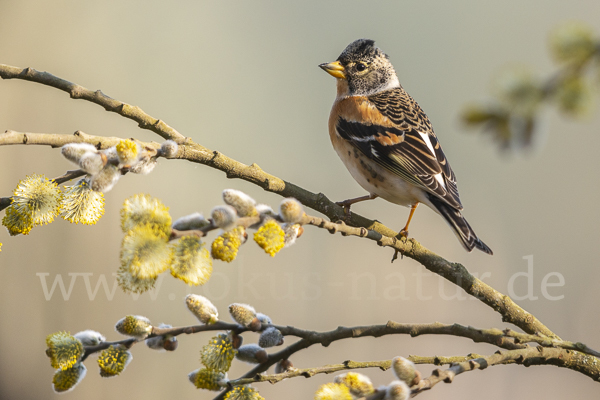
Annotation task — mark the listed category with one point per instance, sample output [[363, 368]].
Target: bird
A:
[[387, 142]]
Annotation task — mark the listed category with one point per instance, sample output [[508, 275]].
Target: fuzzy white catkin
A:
[[74, 151], [225, 217], [168, 149]]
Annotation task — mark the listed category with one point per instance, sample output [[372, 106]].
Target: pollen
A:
[[127, 151], [218, 353], [145, 209], [243, 393], [113, 361], [36, 201], [207, 379], [63, 349], [191, 261], [226, 246], [145, 251], [270, 237], [333, 391], [82, 204]]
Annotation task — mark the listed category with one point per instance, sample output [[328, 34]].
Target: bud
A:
[[82, 204], [252, 353], [168, 149], [405, 371], [572, 42], [333, 391], [162, 342], [92, 163], [520, 90], [243, 204], [236, 340], [35, 201], [292, 232], [265, 211], [475, 114], [245, 392], [64, 350], [270, 337], [128, 152], [66, 380], [218, 353], [106, 179], [89, 337], [113, 361], [397, 390], [225, 247], [574, 97], [291, 210], [74, 151], [191, 261], [135, 326], [202, 308], [359, 384], [191, 222], [225, 217], [144, 209], [145, 251], [130, 283], [144, 165], [207, 379], [111, 154], [243, 314], [283, 366], [264, 319]]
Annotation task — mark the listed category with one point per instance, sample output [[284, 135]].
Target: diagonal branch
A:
[[373, 230], [454, 272], [135, 113]]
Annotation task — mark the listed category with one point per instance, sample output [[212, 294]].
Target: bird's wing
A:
[[391, 129]]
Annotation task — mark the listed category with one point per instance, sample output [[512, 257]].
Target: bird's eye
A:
[[361, 67]]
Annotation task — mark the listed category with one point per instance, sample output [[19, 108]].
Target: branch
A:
[[454, 272], [373, 230], [54, 140], [135, 113], [562, 358], [527, 356], [310, 372], [491, 336]]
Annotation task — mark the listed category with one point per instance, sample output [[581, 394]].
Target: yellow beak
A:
[[334, 69]]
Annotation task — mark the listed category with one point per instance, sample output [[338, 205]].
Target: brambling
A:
[[387, 142]]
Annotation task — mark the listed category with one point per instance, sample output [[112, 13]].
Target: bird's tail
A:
[[459, 225]]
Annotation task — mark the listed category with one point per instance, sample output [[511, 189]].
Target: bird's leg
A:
[[404, 231], [348, 203]]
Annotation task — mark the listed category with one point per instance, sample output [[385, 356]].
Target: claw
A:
[[348, 203]]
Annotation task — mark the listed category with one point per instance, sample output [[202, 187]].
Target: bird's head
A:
[[362, 69]]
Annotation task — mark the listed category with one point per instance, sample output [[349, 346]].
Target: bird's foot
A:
[[403, 236], [395, 256], [346, 204]]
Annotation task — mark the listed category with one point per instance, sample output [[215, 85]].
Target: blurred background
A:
[[242, 78]]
